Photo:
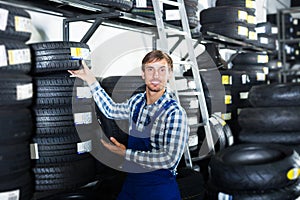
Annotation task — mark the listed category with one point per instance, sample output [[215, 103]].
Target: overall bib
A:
[[152, 185]]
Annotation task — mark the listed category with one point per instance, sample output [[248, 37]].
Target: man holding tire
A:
[[158, 131]]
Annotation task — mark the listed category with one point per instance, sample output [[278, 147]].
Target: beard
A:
[[155, 88]]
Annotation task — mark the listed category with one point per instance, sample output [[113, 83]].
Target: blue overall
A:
[[152, 185]]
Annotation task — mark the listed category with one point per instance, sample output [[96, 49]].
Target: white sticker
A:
[[192, 120], [260, 76], [266, 70], [34, 152], [245, 79], [242, 15], [80, 53], [83, 92], [194, 104], [223, 196], [262, 58], [24, 91], [3, 57], [244, 95], [243, 31], [84, 147], [274, 30], [83, 118], [230, 140], [193, 140], [10, 195], [19, 56], [141, 3], [172, 15], [226, 116], [261, 29], [264, 40], [22, 24], [213, 121], [3, 19]]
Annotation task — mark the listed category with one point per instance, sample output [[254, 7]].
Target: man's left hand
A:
[[117, 148]]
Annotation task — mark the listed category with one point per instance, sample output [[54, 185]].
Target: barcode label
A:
[[10, 195], [24, 91], [83, 118]]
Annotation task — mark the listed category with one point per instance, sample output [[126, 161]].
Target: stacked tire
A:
[[253, 69], [233, 19], [255, 171], [170, 13], [62, 110], [16, 97], [125, 5], [274, 117]]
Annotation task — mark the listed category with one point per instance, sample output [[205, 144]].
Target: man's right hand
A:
[[84, 74]]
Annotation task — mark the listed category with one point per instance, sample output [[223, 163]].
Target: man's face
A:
[[156, 75]]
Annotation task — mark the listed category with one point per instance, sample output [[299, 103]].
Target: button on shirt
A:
[[169, 133]]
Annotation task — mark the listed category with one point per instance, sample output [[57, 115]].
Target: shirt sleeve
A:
[[169, 155], [107, 106]]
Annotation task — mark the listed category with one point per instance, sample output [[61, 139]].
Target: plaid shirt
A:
[[169, 133]]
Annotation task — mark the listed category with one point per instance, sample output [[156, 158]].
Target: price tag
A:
[[242, 15], [83, 92], [22, 24], [83, 118], [11, 195], [24, 91], [3, 19], [80, 53], [262, 58], [243, 31], [19, 56], [84, 147]]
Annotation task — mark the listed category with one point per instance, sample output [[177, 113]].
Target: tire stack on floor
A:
[[254, 65], [233, 19], [170, 13], [274, 117], [255, 171], [62, 114], [16, 92]]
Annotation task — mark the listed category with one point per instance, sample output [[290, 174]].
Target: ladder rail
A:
[[161, 29]]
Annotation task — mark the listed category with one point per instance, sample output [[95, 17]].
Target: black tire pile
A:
[[146, 9], [250, 69], [274, 117], [16, 92], [62, 109], [125, 5], [255, 171]]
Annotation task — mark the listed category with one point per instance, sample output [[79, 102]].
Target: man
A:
[[158, 131]]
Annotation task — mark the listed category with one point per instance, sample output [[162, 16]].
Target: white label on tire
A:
[[223, 196], [3, 19], [3, 57], [22, 24], [245, 79], [264, 40], [262, 58], [226, 116], [83, 92], [84, 147], [172, 15], [260, 76], [80, 53], [242, 15], [19, 56], [244, 95], [10, 195], [34, 152], [24, 91], [192, 120], [83, 118], [243, 31], [141, 3], [193, 140]]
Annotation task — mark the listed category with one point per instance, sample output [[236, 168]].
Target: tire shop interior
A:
[[239, 85]]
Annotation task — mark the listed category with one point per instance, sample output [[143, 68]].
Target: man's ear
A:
[[143, 75]]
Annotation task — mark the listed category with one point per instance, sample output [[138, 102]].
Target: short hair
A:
[[157, 55]]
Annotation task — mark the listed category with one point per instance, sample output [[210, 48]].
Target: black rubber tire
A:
[[20, 62], [60, 89], [63, 176], [287, 193], [286, 138], [238, 31], [258, 74], [12, 30], [253, 167], [14, 158], [234, 78], [15, 89], [57, 56], [272, 95], [270, 119], [251, 5], [224, 14], [21, 181], [119, 4], [250, 58], [16, 125]]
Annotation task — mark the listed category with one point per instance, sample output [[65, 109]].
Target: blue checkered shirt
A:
[[169, 133]]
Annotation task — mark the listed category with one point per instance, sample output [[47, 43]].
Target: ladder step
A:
[[175, 31], [172, 3], [197, 125]]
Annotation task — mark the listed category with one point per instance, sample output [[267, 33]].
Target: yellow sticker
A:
[[252, 35], [251, 19], [226, 80], [293, 174], [226, 116], [227, 99], [250, 4], [242, 15], [80, 53]]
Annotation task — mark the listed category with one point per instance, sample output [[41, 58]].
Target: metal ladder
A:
[[185, 31]]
